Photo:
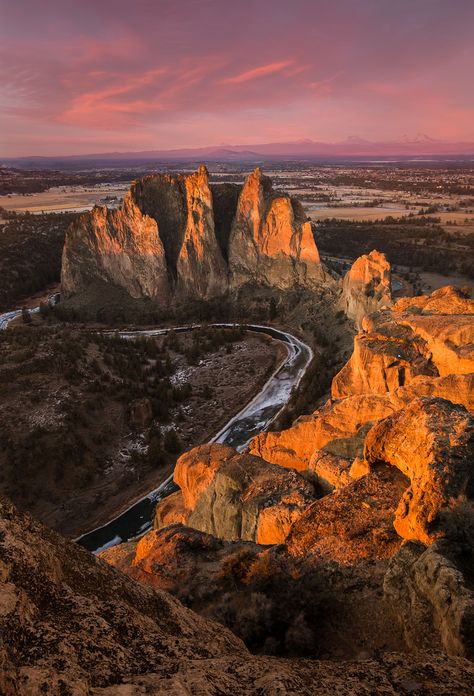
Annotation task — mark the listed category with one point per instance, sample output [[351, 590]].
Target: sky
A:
[[83, 76]]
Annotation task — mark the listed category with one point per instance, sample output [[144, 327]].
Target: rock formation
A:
[[419, 336], [200, 267], [271, 241], [428, 587], [432, 443], [353, 523], [71, 624], [338, 499], [406, 355], [178, 559], [175, 236], [235, 496], [122, 247], [366, 287]]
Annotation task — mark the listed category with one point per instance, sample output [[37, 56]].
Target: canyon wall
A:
[[178, 237]]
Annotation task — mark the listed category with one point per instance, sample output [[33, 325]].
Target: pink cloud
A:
[[256, 73], [76, 76]]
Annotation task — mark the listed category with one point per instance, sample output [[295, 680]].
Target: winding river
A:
[[254, 418]]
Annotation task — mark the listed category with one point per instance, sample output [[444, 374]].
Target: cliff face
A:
[[403, 399], [271, 242], [122, 247], [161, 241], [201, 269], [366, 287], [234, 496], [171, 237], [421, 337]]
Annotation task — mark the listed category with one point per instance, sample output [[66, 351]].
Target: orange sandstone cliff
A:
[[177, 237]]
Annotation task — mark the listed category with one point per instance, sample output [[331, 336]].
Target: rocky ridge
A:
[[72, 625], [171, 240]]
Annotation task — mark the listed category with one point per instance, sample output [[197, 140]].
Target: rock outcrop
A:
[[338, 428], [179, 559], [235, 496], [428, 588], [366, 287], [72, 624], [389, 371], [121, 247], [432, 443], [177, 237], [352, 524], [419, 336], [271, 240], [200, 268]]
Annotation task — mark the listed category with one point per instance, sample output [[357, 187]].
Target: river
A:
[[255, 417]]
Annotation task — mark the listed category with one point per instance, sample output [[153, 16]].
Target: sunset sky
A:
[[80, 76]]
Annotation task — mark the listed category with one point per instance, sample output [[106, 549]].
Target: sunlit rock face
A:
[[432, 443], [403, 399], [234, 496], [201, 271], [122, 247], [353, 523], [338, 428], [271, 241], [178, 237], [161, 241], [366, 287], [418, 340]]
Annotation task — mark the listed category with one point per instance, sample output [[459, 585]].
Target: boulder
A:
[[352, 524], [235, 496], [170, 510], [431, 442], [331, 471], [180, 560]]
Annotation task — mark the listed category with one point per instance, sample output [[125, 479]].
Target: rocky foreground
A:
[[72, 625], [177, 237]]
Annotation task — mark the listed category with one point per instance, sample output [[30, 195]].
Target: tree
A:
[[172, 443], [272, 309], [26, 316]]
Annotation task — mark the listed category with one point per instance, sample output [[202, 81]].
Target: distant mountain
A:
[[353, 147]]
